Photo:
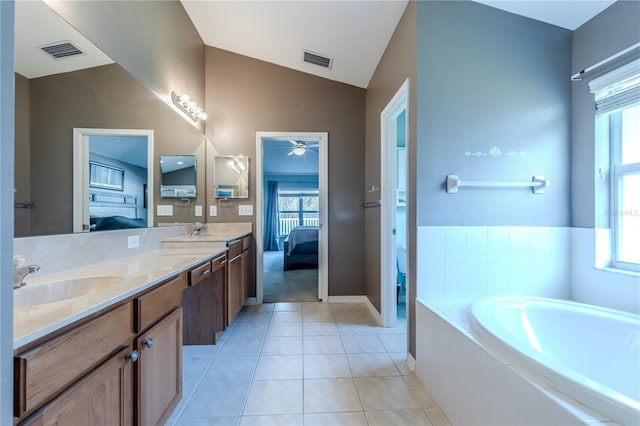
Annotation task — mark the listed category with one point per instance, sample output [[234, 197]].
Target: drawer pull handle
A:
[[148, 343], [223, 262], [205, 272], [133, 356]]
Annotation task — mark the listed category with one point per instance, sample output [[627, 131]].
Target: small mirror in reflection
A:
[[178, 176], [231, 176]]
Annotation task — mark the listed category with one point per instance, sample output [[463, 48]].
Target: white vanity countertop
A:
[[138, 273], [213, 236]]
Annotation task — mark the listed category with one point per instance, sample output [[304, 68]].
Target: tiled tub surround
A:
[[475, 385], [458, 262], [592, 282]]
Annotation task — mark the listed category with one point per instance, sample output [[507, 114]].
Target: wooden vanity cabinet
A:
[[159, 370], [239, 275], [43, 371], [99, 372], [103, 397], [203, 303]]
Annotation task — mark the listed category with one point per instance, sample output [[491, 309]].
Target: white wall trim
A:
[[358, 299], [388, 178], [411, 362], [323, 185]]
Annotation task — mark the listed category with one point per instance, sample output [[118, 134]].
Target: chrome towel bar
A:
[[538, 184]]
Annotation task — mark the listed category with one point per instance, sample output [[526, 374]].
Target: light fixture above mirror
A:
[[188, 106]]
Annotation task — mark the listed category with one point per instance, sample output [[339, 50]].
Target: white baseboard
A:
[[411, 362], [348, 299], [357, 299]]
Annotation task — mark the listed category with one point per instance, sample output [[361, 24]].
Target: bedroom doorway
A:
[[291, 208], [112, 179]]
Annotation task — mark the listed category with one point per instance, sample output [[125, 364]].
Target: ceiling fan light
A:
[[299, 150]]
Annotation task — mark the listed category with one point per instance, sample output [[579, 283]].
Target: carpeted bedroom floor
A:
[[297, 285]]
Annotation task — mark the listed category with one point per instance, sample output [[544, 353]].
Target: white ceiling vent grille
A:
[[317, 59], [61, 50]]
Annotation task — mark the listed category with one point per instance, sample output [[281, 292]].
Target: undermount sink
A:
[[57, 291]]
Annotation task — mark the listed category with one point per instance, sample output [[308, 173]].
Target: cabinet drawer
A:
[[200, 273], [246, 242], [235, 248], [153, 305], [42, 372], [219, 262]]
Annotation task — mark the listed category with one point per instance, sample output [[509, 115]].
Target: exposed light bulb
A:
[[202, 116], [184, 98], [191, 106]]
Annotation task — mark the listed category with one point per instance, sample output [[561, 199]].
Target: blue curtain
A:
[[271, 231]]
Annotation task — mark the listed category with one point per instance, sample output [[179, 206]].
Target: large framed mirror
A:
[[55, 96], [231, 176]]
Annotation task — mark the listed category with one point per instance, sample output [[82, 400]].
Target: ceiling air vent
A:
[[317, 59], [61, 50]]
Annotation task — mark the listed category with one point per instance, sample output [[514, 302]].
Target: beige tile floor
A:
[[307, 363]]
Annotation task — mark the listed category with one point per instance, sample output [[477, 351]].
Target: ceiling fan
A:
[[299, 148]]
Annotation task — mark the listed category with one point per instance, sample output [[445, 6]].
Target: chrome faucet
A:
[[197, 228], [20, 273]]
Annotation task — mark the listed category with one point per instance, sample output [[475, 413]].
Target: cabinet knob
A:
[[133, 356], [148, 343]]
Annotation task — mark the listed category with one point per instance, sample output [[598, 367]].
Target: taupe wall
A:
[[397, 64], [22, 218], [245, 95], [101, 97], [153, 40]]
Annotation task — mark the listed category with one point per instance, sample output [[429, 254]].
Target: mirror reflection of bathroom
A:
[[291, 218], [401, 217]]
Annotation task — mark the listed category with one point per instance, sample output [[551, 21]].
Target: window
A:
[[297, 207], [618, 110]]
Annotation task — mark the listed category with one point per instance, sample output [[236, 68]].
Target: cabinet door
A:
[[159, 370], [247, 276], [103, 397], [234, 287], [219, 280]]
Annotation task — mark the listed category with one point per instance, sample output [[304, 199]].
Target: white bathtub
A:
[[589, 353]]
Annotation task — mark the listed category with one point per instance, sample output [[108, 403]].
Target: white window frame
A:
[[618, 170], [612, 96]]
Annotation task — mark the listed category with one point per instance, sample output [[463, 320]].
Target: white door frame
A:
[[323, 235], [81, 172], [388, 133]]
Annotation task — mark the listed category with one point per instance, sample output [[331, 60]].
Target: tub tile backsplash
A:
[[457, 262]]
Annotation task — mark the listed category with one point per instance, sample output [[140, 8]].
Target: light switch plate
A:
[[198, 210], [245, 210], [213, 210], [133, 241], [165, 210]]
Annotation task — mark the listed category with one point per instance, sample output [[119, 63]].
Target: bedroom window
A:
[[618, 113], [297, 207]]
